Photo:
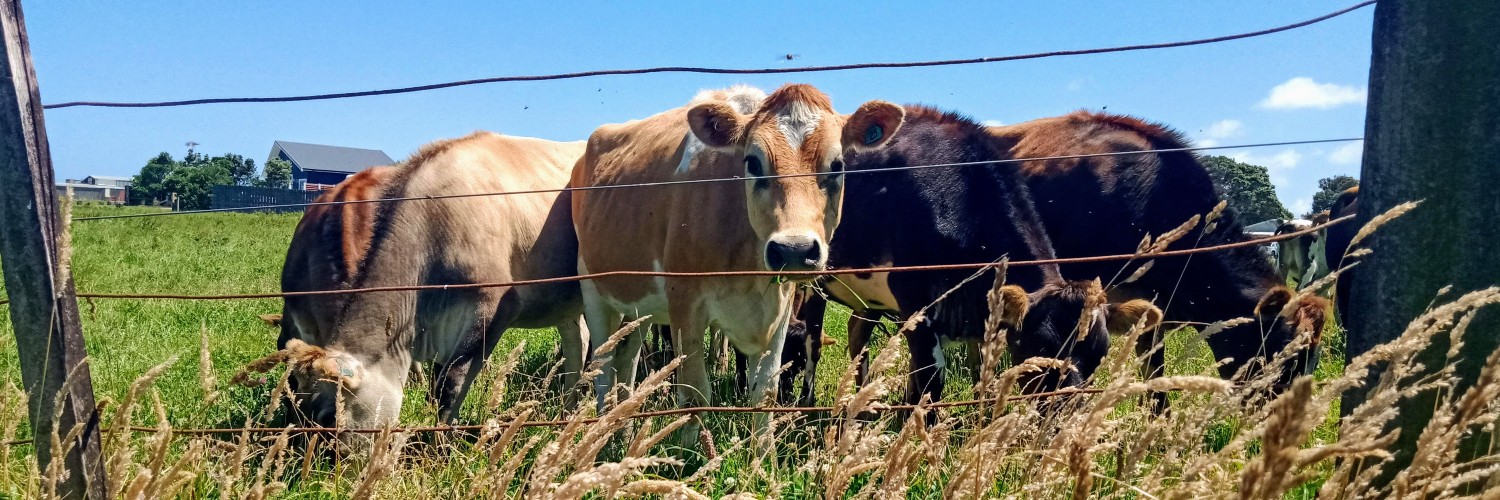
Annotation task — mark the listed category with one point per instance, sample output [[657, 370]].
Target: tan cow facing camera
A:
[[764, 222]]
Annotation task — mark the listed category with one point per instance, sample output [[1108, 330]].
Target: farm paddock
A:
[[817, 454]]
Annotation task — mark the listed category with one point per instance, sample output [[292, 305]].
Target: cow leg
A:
[[573, 341], [860, 330], [602, 322], [628, 355], [768, 363], [693, 387], [1153, 366], [811, 312], [459, 372], [927, 366]]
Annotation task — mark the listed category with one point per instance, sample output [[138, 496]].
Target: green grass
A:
[[238, 253]]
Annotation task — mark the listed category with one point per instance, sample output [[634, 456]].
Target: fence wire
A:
[[714, 274], [714, 71], [716, 180]]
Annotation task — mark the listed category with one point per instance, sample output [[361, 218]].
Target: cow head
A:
[[1077, 316], [1286, 316], [795, 131], [326, 378]]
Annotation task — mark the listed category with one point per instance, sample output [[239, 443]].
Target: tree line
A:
[[1249, 192], [1247, 187], [193, 177]]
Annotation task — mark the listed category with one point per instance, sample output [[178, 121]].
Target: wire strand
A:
[[714, 180], [714, 274], [716, 71]]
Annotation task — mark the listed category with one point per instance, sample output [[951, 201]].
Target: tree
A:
[[277, 174], [1247, 188], [1329, 189], [149, 186], [194, 184], [240, 168]]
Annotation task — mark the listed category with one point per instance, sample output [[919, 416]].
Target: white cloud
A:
[[1347, 154], [1075, 85], [1222, 129], [1301, 206], [992, 123], [1303, 92], [1276, 165]]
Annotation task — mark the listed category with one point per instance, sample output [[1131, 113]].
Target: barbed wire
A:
[[718, 179], [716, 71], [714, 274], [879, 408]]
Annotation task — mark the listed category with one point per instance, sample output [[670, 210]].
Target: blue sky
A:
[[1304, 84]]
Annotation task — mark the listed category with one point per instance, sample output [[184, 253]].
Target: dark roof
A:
[[330, 158]]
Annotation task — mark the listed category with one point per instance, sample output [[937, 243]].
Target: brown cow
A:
[[1105, 205], [374, 337], [759, 223]]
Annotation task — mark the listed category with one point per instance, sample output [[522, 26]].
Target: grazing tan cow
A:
[[374, 337], [760, 223]]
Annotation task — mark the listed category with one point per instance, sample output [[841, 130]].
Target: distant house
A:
[[96, 188], [316, 167]]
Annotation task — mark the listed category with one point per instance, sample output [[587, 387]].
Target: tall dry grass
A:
[[1218, 440]]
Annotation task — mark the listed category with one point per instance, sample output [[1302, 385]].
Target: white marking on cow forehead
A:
[[743, 98], [797, 121]]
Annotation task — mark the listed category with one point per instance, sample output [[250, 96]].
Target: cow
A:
[[974, 214], [1337, 246], [327, 246], [762, 222], [1301, 259], [1103, 205], [364, 353]]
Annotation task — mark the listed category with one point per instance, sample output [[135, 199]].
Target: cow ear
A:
[[716, 124], [872, 125], [1273, 302], [271, 319], [1311, 315], [1013, 305], [1123, 317]]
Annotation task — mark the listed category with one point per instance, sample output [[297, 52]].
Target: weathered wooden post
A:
[[43, 309], [1432, 133]]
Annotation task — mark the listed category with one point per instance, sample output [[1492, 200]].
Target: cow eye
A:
[[753, 167], [836, 166]]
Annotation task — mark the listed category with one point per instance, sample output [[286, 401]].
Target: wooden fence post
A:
[[43, 309], [1432, 133]]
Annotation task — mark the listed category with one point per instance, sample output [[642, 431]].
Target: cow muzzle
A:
[[795, 252]]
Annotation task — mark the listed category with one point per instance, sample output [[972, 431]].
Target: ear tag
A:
[[874, 133], [346, 371]]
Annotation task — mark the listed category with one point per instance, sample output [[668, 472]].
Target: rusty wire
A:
[[716, 274], [682, 182], [717, 71]]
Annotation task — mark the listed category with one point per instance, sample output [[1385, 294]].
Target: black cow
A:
[[1338, 238], [960, 215]]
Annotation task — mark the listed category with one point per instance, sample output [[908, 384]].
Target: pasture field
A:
[[1208, 444]]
